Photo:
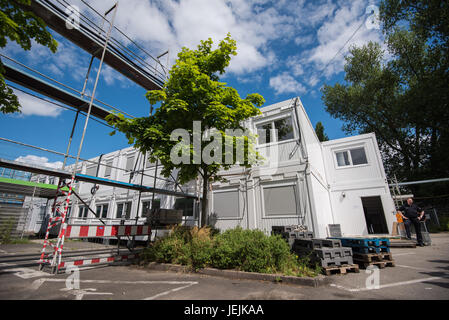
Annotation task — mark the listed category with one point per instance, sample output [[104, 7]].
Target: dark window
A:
[[156, 204], [284, 129], [102, 211], [119, 210], [186, 205], [358, 156]]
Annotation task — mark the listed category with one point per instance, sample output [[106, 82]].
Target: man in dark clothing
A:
[[412, 214]]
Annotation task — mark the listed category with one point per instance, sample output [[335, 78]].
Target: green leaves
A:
[[20, 26], [404, 98]]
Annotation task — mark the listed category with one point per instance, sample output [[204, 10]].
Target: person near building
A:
[[412, 215]]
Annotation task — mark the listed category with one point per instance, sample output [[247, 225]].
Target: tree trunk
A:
[[204, 201]]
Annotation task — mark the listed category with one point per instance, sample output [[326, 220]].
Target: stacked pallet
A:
[[291, 233], [370, 251], [329, 253]]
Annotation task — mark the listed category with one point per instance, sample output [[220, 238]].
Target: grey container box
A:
[[329, 253], [300, 235], [333, 253], [326, 243], [304, 243], [336, 262]]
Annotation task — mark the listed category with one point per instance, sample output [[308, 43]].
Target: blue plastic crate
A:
[[360, 249], [364, 242]]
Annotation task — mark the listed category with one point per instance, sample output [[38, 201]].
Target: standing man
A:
[[412, 214]]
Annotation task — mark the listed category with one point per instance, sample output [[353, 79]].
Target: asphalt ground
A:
[[419, 274]]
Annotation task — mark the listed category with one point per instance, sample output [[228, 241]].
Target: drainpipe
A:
[[306, 158]]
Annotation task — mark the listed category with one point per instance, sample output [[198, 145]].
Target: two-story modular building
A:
[[302, 181], [305, 181]]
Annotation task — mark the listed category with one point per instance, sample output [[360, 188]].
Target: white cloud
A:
[[41, 161], [335, 32], [265, 31], [168, 24], [33, 106], [285, 83]]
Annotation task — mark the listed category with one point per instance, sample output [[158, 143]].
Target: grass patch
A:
[[19, 241], [235, 249]]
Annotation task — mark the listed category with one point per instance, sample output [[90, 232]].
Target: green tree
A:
[[193, 93], [403, 99], [21, 26], [319, 129]]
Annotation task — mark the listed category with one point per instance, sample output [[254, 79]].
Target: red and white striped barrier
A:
[[92, 231], [102, 260]]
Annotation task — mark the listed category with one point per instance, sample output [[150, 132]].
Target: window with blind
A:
[[91, 171], [280, 200], [108, 168], [226, 204], [130, 163]]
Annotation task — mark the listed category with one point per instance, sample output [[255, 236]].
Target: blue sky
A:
[[285, 49]]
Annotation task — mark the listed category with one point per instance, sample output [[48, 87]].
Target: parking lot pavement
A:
[[421, 273]]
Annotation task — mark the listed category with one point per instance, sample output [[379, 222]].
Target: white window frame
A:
[[127, 156], [90, 167], [82, 206], [272, 120], [293, 183], [237, 217], [101, 205], [108, 165], [348, 150], [123, 216]]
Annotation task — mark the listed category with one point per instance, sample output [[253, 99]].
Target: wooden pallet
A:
[[379, 264], [341, 269], [373, 257]]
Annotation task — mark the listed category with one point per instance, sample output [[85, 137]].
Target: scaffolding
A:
[[103, 41]]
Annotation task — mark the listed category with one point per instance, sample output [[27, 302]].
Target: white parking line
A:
[[37, 283], [168, 292], [417, 268], [80, 293], [403, 254], [395, 284], [24, 273]]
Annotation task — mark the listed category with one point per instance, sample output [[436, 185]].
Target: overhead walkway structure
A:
[[51, 90], [16, 165], [137, 65]]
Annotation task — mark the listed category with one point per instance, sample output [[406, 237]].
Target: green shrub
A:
[[245, 250], [444, 223], [5, 231], [250, 250]]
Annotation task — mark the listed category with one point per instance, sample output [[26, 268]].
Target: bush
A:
[[5, 231], [250, 250], [245, 250]]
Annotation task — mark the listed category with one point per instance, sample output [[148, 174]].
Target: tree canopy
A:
[[401, 97], [319, 130], [193, 96], [21, 26]]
